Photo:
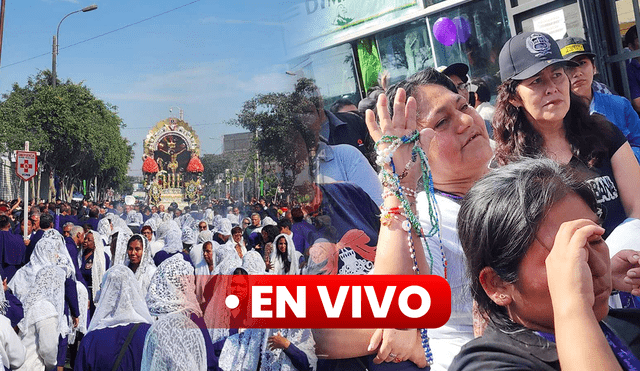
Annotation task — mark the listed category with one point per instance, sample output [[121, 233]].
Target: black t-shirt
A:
[[603, 183]]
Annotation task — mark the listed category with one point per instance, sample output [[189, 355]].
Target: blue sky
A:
[[207, 57]]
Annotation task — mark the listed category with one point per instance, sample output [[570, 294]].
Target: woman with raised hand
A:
[[454, 138]]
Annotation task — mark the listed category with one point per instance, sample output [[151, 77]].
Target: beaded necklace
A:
[[391, 180]]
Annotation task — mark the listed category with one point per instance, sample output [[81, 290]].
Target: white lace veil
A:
[[172, 288], [253, 263], [119, 301], [104, 226], [230, 260], [278, 263], [121, 245], [172, 235], [242, 351], [204, 236], [99, 263], [173, 343], [147, 267], [216, 314], [49, 250], [208, 216], [4, 303], [46, 299]]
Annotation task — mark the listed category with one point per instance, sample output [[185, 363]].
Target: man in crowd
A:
[[12, 249], [44, 223]]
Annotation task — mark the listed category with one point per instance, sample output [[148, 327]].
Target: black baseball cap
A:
[[458, 69], [571, 47], [528, 53]]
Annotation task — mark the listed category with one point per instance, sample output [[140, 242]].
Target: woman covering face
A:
[[540, 272], [538, 115]]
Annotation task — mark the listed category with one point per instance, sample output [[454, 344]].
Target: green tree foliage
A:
[[282, 127], [214, 165], [77, 135]]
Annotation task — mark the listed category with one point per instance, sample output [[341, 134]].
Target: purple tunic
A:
[[100, 348]]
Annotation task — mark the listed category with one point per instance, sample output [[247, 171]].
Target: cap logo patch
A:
[[572, 48], [538, 45]]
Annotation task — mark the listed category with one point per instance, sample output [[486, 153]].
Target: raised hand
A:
[[402, 124]]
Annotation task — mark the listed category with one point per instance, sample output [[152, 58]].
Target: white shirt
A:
[[12, 352], [447, 340]]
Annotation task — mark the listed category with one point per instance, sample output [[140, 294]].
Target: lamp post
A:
[[54, 52]]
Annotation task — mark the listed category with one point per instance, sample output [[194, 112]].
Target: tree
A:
[[282, 133], [232, 167], [77, 135]]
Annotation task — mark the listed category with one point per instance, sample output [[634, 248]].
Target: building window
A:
[[333, 71], [405, 50], [473, 33]]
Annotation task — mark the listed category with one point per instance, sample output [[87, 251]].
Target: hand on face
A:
[[575, 264]]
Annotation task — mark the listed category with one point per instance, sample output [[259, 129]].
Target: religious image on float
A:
[[171, 164]]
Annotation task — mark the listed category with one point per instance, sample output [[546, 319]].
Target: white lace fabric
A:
[[227, 260], [4, 303], [48, 287], [49, 250], [121, 245], [174, 343], [147, 267], [242, 351], [189, 236], [99, 263], [205, 236], [170, 233], [253, 263], [278, 263], [119, 301], [172, 288]]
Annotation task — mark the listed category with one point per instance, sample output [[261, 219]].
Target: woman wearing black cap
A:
[[538, 115]]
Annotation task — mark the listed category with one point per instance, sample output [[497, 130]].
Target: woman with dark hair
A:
[[238, 242], [455, 139], [538, 115], [147, 232], [268, 235], [138, 259], [283, 258], [540, 271]]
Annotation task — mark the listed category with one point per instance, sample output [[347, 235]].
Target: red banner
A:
[[371, 301]]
